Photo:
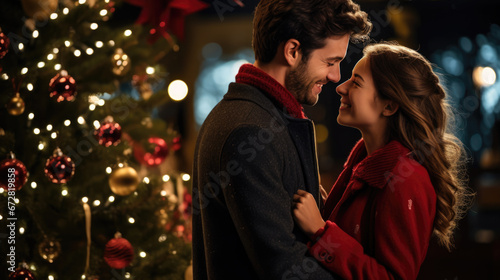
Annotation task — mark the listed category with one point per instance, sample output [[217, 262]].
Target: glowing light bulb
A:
[[165, 178], [53, 16], [150, 70], [89, 51], [177, 90], [20, 46], [30, 86], [85, 199], [127, 32], [33, 185], [185, 177], [57, 67], [50, 56], [103, 12], [67, 123], [131, 220], [111, 198], [65, 11], [146, 180], [64, 192], [99, 44], [109, 170], [36, 131], [142, 254], [41, 146], [67, 43], [24, 70], [81, 120], [94, 26], [77, 53], [49, 127], [97, 203], [41, 64], [31, 116], [53, 135], [35, 34]]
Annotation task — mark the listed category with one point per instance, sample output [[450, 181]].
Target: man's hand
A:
[[306, 212]]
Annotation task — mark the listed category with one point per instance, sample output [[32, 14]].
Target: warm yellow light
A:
[[177, 90]]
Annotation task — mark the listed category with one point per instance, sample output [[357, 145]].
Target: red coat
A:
[[389, 239]]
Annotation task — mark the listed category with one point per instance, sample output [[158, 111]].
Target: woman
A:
[[401, 182]]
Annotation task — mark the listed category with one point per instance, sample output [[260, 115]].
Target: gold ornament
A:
[[49, 249], [121, 62], [124, 181], [188, 274], [39, 10], [15, 106]]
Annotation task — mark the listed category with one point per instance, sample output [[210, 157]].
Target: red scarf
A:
[[253, 76]]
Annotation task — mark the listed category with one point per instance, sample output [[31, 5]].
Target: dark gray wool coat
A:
[[250, 159]]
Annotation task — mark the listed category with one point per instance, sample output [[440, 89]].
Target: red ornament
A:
[[59, 168], [118, 253], [176, 143], [4, 44], [15, 171], [22, 274], [167, 16], [152, 159], [63, 87], [109, 133]]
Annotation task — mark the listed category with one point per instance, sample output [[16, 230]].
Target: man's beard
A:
[[297, 83]]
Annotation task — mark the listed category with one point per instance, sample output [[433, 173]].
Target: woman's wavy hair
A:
[[423, 123], [308, 21]]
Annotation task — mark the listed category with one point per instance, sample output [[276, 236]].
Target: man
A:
[[256, 148]]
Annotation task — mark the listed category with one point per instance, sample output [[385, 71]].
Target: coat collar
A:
[[375, 169]]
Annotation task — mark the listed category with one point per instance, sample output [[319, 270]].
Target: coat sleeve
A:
[[403, 225], [261, 208]]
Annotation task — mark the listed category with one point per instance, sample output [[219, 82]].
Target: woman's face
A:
[[361, 107]]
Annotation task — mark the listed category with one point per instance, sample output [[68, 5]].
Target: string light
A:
[[146, 180], [41, 64], [53, 135], [50, 277], [142, 254], [111, 198], [33, 185], [109, 170], [57, 67], [94, 26], [53, 16], [82, 1], [127, 32], [92, 107], [35, 34], [49, 127], [2, 190], [162, 238], [120, 165], [165, 178], [150, 70], [5, 76], [77, 53], [103, 12], [32, 267], [64, 192], [50, 56], [89, 51], [24, 70], [99, 44], [67, 43], [131, 220], [36, 131], [81, 120], [85, 199], [67, 122], [177, 90], [56, 50], [1, 217], [163, 193], [97, 203], [20, 46], [111, 43], [16, 200], [29, 86], [41, 146], [97, 124], [101, 102], [31, 116], [185, 177], [65, 11], [21, 230]]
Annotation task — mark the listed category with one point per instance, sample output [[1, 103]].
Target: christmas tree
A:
[[89, 184]]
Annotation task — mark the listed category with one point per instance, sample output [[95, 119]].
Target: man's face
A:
[[323, 65]]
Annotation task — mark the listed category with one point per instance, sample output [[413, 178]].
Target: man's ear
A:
[[390, 108], [292, 52]]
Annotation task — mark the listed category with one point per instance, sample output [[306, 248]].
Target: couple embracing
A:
[[258, 207]]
